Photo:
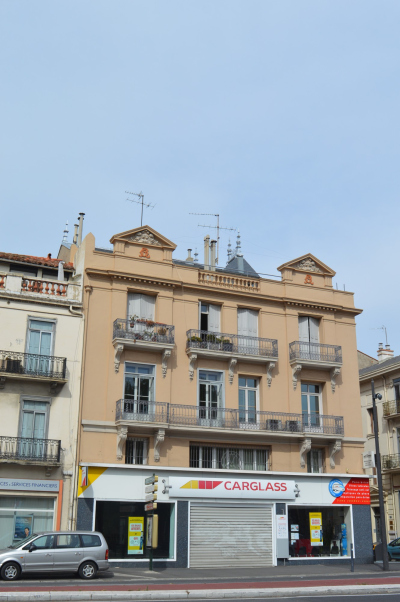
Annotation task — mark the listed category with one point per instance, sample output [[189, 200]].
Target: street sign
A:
[[151, 480], [150, 506], [150, 497], [369, 459], [151, 488]]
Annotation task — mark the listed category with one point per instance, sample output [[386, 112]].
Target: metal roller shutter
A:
[[229, 536]]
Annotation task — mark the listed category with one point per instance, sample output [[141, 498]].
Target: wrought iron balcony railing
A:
[[223, 418], [143, 330], [32, 450], [231, 343], [391, 407], [32, 364], [391, 461], [299, 350]]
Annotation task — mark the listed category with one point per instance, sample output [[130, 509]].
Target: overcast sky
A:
[[281, 116]]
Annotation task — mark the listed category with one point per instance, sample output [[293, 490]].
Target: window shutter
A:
[[252, 322], [314, 330], [303, 329], [147, 306], [242, 322], [133, 305], [214, 312]]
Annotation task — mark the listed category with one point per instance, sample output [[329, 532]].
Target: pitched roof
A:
[[33, 260], [380, 365], [238, 265]]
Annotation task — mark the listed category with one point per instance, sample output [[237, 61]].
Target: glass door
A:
[[248, 402], [210, 398], [139, 390], [40, 341], [310, 408], [33, 430]]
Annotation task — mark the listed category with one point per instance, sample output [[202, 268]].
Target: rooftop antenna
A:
[[65, 235], [217, 227], [229, 250], [385, 331], [140, 202]]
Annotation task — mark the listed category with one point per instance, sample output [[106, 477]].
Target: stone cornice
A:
[[379, 371]]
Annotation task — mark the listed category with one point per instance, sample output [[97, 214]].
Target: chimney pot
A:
[[49, 256]]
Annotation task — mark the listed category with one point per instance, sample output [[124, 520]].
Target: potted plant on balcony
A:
[[194, 339], [132, 320], [226, 345]]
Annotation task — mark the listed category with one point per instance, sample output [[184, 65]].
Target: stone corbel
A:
[[333, 450], [48, 470], [158, 439], [304, 449], [270, 367], [118, 350], [296, 369], [166, 354], [334, 374], [231, 369], [192, 361], [122, 433]]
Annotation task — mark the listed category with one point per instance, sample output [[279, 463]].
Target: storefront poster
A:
[[281, 526], [356, 491], [135, 534], [22, 526], [316, 528]]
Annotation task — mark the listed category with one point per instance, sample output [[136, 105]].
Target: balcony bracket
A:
[[166, 354], [333, 450], [304, 449], [334, 374], [118, 350], [122, 433], [296, 369], [231, 369], [2, 382], [192, 361], [158, 439], [270, 367], [48, 470]]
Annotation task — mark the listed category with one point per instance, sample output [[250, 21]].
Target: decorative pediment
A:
[[309, 264], [144, 236]]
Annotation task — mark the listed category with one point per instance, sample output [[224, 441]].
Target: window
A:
[[210, 317], [68, 541], [315, 461], [139, 388], [308, 329], [311, 407], [370, 421], [33, 429], [91, 541], [141, 306], [248, 391], [43, 543], [231, 458], [26, 270], [40, 345], [136, 451], [210, 396]]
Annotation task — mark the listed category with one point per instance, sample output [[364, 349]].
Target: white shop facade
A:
[[223, 518]]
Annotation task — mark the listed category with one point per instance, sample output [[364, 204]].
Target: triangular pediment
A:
[[144, 236], [308, 263]]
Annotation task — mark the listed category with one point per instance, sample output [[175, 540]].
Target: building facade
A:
[[41, 339], [238, 392]]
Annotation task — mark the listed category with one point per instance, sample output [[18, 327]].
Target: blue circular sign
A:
[[336, 487]]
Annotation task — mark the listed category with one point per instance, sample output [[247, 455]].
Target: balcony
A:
[[14, 284], [143, 335], [161, 414], [315, 356], [391, 409], [31, 366], [391, 462], [24, 450]]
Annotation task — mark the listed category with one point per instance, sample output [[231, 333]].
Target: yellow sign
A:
[[135, 534], [316, 529]]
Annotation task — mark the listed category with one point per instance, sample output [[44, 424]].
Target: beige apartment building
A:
[[239, 392]]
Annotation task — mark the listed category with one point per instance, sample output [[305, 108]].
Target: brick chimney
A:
[[384, 353]]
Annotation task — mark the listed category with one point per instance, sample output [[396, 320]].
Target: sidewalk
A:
[[180, 584]]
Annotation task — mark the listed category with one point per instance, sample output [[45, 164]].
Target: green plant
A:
[[194, 339]]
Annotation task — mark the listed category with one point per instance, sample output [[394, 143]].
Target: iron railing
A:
[[214, 417], [391, 407], [32, 364], [300, 350], [391, 461], [28, 449], [144, 330], [231, 343]]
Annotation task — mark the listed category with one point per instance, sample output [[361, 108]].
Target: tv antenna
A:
[[385, 331], [217, 228], [139, 202]]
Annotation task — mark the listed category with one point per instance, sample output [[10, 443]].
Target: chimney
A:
[[189, 258], [80, 229], [61, 271], [213, 255], [384, 353], [75, 234], [207, 252]]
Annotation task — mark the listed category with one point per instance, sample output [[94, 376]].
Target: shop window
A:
[[136, 451], [229, 458], [248, 398], [319, 531], [114, 520], [315, 461], [20, 516]]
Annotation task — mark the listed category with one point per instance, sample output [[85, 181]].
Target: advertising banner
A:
[[30, 485], [356, 491], [281, 526], [232, 488], [316, 529], [135, 534]]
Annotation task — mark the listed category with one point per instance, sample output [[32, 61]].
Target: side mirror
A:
[[32, 547]]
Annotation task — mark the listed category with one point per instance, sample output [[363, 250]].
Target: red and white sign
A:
[[266, 489], [356, 491]]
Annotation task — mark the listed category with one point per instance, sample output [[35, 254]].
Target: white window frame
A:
[[210, 327], [246, 389], [320, 461], [154, 366], [222, 381], [145, 442], [310, 428]]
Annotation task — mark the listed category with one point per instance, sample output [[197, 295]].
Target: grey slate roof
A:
[[233, 267], [385, 364]]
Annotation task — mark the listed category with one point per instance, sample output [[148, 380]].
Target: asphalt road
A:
[[359, 598]]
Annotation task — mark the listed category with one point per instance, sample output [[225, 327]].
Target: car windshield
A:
[[22, 542]]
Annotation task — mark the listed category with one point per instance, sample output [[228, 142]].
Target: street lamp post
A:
[[379, 477]]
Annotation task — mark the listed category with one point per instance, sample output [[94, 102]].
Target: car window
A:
[[91, 541], [43, 542], [68, 541]]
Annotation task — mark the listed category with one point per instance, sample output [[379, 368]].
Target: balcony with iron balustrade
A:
[[316, 356], [25, 450], [391, 409], [143, 335], [32, 367], [391, 462]]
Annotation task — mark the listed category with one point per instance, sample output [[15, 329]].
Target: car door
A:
[[40, 558], [394, 548], [67, 552]]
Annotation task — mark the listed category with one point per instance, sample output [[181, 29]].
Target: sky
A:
[[280, 116]]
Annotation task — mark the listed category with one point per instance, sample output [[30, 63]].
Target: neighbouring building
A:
[[386, 375], [41, 337], [239, 392]]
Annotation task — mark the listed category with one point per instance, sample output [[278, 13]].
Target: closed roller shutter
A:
[[229, 536]]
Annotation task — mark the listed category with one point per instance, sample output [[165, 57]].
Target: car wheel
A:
[[87, 570], [10, 571]]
